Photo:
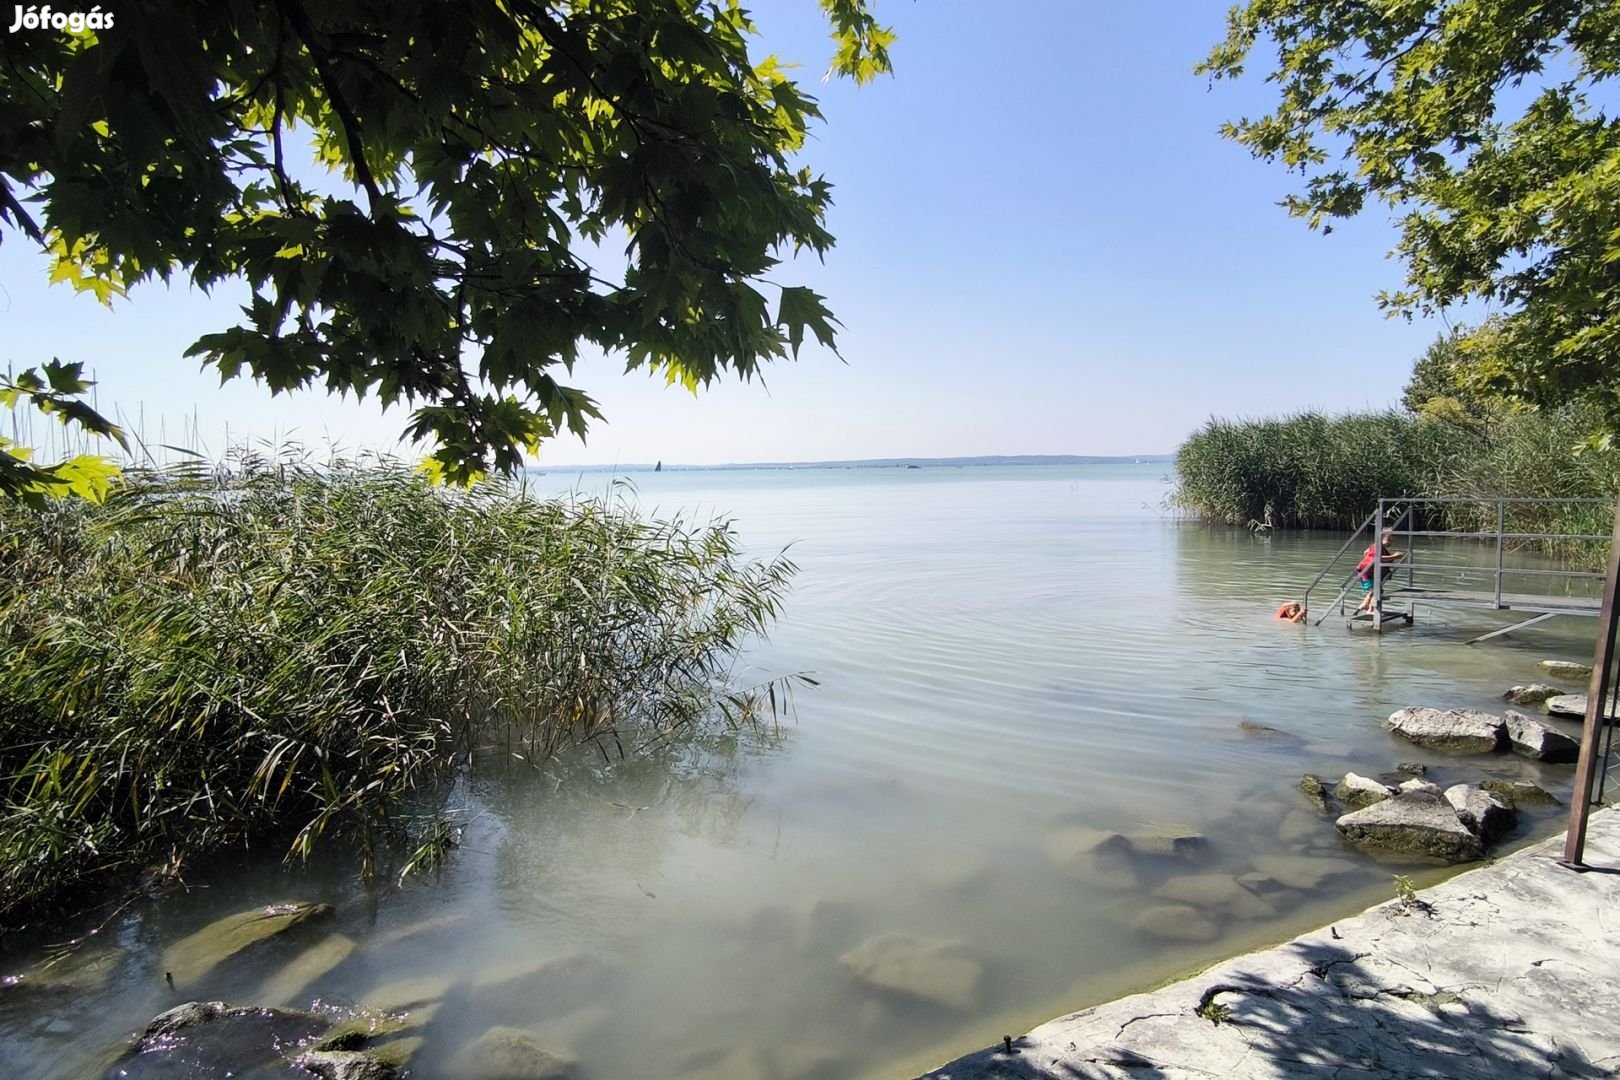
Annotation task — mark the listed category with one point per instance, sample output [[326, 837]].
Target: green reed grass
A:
[[1316, 471], [223, 654]]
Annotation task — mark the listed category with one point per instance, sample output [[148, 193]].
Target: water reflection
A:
[[1053, 758]]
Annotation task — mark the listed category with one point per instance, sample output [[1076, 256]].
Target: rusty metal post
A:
[[1597, 693]]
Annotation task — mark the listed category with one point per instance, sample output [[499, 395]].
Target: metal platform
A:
[[1398, 590]]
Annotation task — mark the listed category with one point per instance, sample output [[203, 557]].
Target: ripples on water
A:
[[1003, 654]]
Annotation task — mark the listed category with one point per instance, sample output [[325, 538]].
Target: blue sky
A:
[[1044, 246]]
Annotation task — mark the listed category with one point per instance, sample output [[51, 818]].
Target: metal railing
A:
[[1597, 759], [1403, 515]]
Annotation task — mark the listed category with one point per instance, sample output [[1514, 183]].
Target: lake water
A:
[[1006, 657]]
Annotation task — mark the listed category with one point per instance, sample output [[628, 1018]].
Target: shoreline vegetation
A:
[[216, 656], [1314, 471]]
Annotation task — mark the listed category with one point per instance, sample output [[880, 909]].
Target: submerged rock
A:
[[1533, 694], [1454, 731], [1487, 816], [556, 984], [1175, 922], [1566, 669], [1412, 824], [1356, 791], [1520, 793], [1316, 792], [1298, 826], [1574, 707], [1169, 841], [196, 955], [293, 980], [346, 1065], [1070, 848], [505, 1053], [1412, 768], [943, 972], [211, 1038], [1533, 739], [1218, 893], [1306, 872], [1267, 734], [86, 970]]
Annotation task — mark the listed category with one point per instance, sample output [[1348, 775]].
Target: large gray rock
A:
[[1454, 731], [1536, 740], [1487, 816], [1356, 791], [1566, 669], [943, 972], [1412, 824], [505, 1053], [197, 954], [1533, 694], [1574, 707]]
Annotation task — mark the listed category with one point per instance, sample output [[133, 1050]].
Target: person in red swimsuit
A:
[[1364, 568]]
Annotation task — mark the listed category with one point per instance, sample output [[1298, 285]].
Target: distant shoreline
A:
[[877, 463]]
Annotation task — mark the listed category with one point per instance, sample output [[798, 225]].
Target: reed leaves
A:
[[215, 656]]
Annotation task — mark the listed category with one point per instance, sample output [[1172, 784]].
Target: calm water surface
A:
[[1004, 654]]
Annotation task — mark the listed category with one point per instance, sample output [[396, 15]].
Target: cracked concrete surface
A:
[[1511, 970]]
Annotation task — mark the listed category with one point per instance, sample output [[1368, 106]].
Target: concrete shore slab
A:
[[1510, 970]]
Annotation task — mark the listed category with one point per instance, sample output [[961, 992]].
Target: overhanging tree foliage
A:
[[479, 152], [1488, 126]]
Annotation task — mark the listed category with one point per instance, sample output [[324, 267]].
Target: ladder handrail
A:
[[1304, 601]]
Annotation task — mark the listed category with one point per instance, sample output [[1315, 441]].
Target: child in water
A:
[[1370, 558]]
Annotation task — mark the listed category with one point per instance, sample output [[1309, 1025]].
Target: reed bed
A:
[[1316, 471], [220, 655]]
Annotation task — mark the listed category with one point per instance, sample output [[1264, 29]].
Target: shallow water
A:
[[1004, 654]]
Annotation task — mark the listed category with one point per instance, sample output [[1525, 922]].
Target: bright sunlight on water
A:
[[1008, 659]]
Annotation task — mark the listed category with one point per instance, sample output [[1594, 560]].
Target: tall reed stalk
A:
[[218, 655]]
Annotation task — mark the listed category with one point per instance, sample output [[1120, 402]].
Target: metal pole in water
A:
[[1378, 571], [1597, 690], [1501, 527]]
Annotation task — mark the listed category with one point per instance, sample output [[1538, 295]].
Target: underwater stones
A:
[[1175, 922], [941, 972], [1412, 768], [957, 871], [828, 926], [85, 970], [1531, 694], [1070, 847], [1412, 824], [1487, 816], [1314, 790], [505, 1053], [1356, 791], [417, 997], [1520, 792], [1168, 841], [1298, 826], [1267, 734], [1218, 893], [1305, 872], [308, 966], [554, 984], [196, 955], [1453, 731], [1566, 669], [1535, 740]]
